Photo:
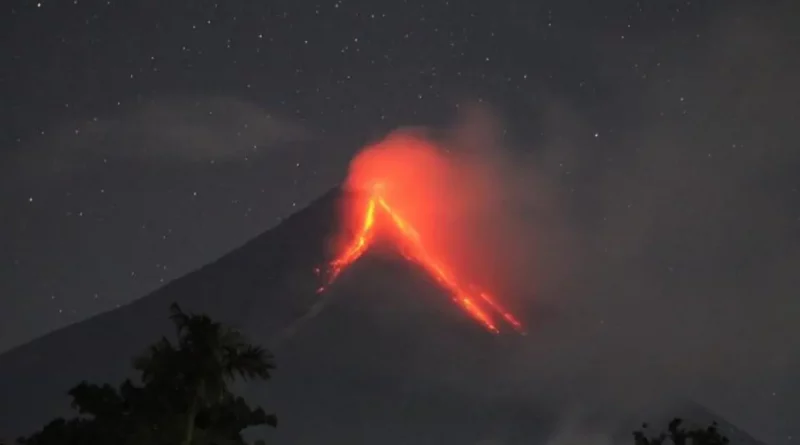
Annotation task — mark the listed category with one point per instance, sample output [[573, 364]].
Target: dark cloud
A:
[[177, 129]]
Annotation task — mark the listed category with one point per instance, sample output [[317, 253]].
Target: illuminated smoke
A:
[[394, 175]]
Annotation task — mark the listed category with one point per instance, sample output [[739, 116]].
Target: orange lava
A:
[[478, 304]]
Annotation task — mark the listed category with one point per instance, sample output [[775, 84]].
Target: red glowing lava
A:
[[404, 163]]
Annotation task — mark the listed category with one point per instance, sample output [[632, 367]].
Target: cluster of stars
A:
[[408, 50], [415, 48], [102, 230]]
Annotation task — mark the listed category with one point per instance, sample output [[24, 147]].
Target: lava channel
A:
[[476, 303]]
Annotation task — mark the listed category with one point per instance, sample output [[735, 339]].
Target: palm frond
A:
[[249, 362], [179, 318], [159, 359]]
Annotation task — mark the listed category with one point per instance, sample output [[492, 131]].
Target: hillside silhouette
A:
[[387, 356]]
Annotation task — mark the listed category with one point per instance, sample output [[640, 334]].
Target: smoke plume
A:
[[667, 260]]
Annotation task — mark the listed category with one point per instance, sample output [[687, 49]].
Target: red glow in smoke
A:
[[405, 179]]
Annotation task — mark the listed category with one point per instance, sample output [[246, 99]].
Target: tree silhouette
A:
[[678, 435], [184, 396], [208, 356]]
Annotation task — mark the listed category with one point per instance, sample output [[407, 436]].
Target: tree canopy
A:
[[183, 395], [678, 435]]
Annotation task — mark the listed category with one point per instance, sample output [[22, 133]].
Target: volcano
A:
[[354, 369], [388, 360]]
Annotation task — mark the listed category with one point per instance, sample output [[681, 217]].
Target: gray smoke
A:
[[670, 256]]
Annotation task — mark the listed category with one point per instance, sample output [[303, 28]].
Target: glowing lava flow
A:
[[413, 249]]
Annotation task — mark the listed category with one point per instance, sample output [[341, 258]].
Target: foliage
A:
[[678, 435], [184, 396]]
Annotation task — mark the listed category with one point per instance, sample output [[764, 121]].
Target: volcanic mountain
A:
[[386, 361]]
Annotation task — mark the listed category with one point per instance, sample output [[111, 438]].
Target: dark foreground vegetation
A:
[[676, 434], [183, 397]]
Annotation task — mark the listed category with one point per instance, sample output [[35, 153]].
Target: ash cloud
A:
[[668, 256]]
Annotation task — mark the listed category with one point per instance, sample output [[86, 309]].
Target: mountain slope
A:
[[389, 360], [272, 276]]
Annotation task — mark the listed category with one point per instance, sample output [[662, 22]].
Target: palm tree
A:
[[205, 359]]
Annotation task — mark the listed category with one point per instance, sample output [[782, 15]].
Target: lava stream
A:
[[413, 249], [356, 248]]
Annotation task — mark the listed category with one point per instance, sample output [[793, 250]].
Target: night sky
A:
[[143, 139]]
